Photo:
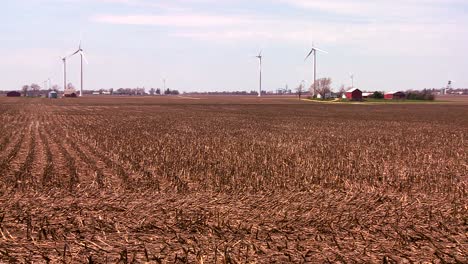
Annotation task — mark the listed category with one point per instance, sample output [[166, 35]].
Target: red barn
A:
[[394, 95], [354, 94]]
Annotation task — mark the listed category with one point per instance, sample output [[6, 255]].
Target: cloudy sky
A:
[[209, 45]]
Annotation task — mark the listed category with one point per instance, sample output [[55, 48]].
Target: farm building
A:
[[70, 95], [367, 95], [69, 92], [13, 94], [394, 95], [354, 94], [53, 95]]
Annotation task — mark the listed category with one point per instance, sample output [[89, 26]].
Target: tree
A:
[[152, 91], [378, 95], [342, 91], [35, 88], [158, 91], [322, 87], [420, 95], [25, 90], [168, 91], [299, 90], [111, 91]]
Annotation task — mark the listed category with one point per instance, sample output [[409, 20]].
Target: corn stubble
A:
[[161, 181]]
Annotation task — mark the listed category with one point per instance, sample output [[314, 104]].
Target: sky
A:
[[210, 45]]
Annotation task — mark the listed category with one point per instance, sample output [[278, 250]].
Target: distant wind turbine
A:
[[259, 57], [314, 52], [64, 59]]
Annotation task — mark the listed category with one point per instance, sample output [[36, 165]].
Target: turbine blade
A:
[[321, 50], [310, 53], [73, 53], [84, 57]]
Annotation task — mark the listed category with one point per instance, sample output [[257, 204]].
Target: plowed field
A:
[[231, 180]]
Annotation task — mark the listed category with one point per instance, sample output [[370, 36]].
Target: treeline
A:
[[226, 93], [420, 95], [425, 94], [141, 91]]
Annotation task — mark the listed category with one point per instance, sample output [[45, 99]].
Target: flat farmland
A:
[[197, 179]]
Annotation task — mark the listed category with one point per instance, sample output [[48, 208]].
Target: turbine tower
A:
[[449, 86], [259, 57], [314, 52], [64, 59]]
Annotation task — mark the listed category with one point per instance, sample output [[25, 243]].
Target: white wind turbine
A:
[[314, 52], [47, 84], [259, 57], [64, 59], [82, 57]]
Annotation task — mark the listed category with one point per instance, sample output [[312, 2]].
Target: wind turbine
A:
[[64, 59], [82, 57], [47, 84], [351, 75], [259, 57], [314, 52]]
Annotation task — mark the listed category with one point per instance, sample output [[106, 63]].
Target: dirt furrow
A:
[[88, 175], [10, 142], [101, 173], [129, 173], [106, 172], [40, 159], [58, 173], [16, 168]]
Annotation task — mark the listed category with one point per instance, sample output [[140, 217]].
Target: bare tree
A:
[[300, 89], [323, 87], [152, 91], [35, 89], [341, 91], [25, 90]]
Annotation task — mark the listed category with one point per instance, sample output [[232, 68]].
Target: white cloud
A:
[[189, 20], [378, 8], [393, 35]]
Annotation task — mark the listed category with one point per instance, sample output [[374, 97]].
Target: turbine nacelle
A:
[[259, 56], [314, 50]]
